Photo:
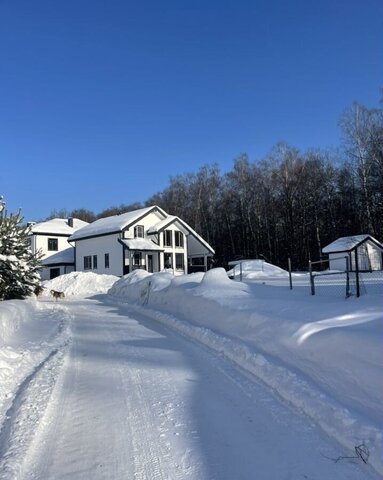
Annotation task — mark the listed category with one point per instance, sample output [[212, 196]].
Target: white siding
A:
[[369, 257], [40, 242], [100, 246], [147, 222]]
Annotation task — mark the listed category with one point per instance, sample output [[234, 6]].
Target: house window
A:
[[197, 261], [88, 263], [53, 273], [95, 262], [107, 260], [137, 259], [180, 261], [53, 244], [168, 238], [139, 231], [179, 239], [168, 260]]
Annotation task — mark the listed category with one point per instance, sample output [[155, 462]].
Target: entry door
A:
[[150, 263]]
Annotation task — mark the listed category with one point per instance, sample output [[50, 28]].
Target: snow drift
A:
[[79, 284], [323, 355]]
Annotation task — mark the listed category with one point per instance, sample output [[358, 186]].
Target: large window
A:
[[53, 244], [180, 261], [179, 239], [139, 231], [88, 263], [168, 238], [168, 260], [107, 260]]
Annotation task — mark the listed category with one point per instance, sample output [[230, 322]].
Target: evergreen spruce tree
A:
[[18, 266]]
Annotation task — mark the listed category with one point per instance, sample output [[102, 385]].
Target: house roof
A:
[[63, 257], [118, 223], [140, 244], [113, 224], [346, 244], [158, 227], [59, 226]]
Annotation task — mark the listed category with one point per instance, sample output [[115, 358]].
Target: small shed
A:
[[362, 250]]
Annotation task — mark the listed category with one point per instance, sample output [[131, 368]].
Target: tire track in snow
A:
[[29, 403]]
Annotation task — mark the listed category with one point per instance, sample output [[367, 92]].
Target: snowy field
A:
[[262, 379]]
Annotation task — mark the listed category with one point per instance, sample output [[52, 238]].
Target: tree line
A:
[[287, 205]]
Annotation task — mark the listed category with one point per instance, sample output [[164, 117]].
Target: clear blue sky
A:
[[102, 101]]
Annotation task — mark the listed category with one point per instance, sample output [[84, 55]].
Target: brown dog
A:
[[56, 295]]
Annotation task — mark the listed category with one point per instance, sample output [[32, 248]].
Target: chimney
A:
[[70, 221]]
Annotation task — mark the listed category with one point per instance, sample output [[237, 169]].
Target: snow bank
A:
[[256, 269], [80, 284], [12, 313], [29, 338], [323, 355]]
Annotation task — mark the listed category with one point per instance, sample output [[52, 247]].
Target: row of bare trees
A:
[[290, 204]]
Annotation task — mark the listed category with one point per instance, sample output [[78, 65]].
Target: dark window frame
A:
[[139, 231], [168, 238], [88, 262], [94, 262], [180, 265], [106, 260], [137, 256], [168, 260], [178, 239], [53, 244]]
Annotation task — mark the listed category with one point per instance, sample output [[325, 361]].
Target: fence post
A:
[[311, 279], [290, 277], [348, 294], [357, 273]]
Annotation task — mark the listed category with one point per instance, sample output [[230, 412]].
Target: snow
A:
[[345, 244], [113, 224], [141, 244], [65, 256], [58, 226], [80, 284], [137, 400]]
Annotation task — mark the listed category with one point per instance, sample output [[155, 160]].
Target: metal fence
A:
[[343, 283]]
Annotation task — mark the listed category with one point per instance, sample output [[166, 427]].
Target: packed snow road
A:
[[127, 398]]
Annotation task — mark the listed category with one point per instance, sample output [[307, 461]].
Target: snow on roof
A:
[[162, 224], [58, 226], [140, 244], [65, 256], [345, 244], [113, 224]]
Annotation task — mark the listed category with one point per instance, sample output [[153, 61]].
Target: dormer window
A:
[[139, 231]]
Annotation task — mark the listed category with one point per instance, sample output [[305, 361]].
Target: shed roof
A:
[[140, 244], [346, 244], [63, 257]]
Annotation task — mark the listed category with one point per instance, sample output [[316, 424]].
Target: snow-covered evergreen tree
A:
[[18, 266]]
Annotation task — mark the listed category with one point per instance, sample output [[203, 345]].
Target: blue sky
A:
[[100, 102]]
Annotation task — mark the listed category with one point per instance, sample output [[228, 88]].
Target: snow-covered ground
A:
[[320, 356]]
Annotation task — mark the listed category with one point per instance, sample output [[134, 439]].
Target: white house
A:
[[147, 238], [362, 250], [51, 239]]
